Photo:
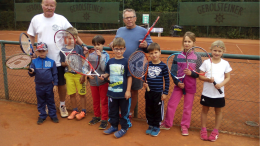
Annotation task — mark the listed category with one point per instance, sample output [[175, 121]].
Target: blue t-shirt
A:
[[118, 73], [78, 49], [132, 37]]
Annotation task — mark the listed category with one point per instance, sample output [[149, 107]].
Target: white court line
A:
[[241, 52]]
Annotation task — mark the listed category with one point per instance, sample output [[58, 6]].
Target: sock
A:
[[215, 130], [119, 112], [75, 109], [62, 103], [130, 113], [203, 129], [84, 110]]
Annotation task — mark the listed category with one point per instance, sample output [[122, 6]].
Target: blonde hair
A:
[[189, 34], [219, 44], [129, 10], [72, 30], [53, 0], [118, 42], [153, 46]]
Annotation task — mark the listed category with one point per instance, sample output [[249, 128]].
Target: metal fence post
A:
[[4, 71]]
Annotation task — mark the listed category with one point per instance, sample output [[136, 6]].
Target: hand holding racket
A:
[[148, 32], [19, 61], [194, 57], [25, 44], [176, 64], [138, 66]]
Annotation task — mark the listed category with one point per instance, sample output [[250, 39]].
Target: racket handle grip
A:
[[183, 91], [105, 79], [219, 90], [30, 70]]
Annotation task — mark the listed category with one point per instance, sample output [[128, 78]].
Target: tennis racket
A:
[[176, 64], [19, 61], [93, 58], [195, 56], [148, 32], [25, 44], [65, 42], [138, 66], [81, 65]]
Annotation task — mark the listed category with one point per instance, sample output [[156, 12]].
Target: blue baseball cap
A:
[[41, 46]]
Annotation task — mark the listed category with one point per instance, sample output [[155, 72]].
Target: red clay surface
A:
[[76, 133], [18, 128]]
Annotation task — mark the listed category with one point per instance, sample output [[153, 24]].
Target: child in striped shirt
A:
[[154, 105]]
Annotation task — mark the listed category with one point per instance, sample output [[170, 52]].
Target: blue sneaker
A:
[[155, 131], [149, 130], [110, 130], [120, 133]]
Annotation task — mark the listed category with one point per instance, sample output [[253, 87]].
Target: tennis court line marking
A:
[[241, 52]]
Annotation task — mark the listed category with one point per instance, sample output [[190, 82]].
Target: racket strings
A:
[[93, 58], [64, 41], [176, 65], [18, 61], [138, 64]]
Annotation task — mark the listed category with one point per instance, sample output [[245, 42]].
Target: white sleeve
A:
[[31, 30], [228, 68], [203, 66]]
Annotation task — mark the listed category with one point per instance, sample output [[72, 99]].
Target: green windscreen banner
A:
[[245, 14], [83, 12]]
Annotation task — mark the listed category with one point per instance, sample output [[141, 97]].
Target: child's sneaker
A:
[[110, 130], [81, 115], [103, 125], [213, 136], [155, 131], [94, 120], [149, 130], [40, 121], [72, 115], [204, 135], [184, 131], [63, 111], [120, 133], [163, 126], [55, 120]]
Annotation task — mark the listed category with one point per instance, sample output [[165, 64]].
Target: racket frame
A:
[[204, 73], [145, 74], [178, 78], [21, 68], [29, 41], [56, 43], [150, 29]]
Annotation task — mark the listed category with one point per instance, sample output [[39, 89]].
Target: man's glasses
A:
[[129, 17], [118, 49]]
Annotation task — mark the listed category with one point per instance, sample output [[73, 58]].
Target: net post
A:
[[4, 70]]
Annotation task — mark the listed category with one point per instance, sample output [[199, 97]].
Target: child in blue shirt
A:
[[119, 89], [46, 81]]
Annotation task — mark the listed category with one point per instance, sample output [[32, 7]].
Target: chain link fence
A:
[[242, 95]]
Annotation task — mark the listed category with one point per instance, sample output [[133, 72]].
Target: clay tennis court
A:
[[80, 133]]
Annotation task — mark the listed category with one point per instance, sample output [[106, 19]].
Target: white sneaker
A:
[[63, 111]]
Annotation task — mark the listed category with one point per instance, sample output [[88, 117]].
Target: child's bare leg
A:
[[83, 101], [73, 100], [204, 113], [218, 117]]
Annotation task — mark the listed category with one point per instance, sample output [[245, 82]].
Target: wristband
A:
[[83, 45]]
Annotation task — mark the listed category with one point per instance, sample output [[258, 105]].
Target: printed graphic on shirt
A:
[[55, 27], [154, 71], [116, 77], [47, 64]]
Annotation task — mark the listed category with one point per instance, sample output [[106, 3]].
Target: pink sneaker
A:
[[72, 115], [213, 136], [184, 131], [81, 115], [163, 126], [204, 135]]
